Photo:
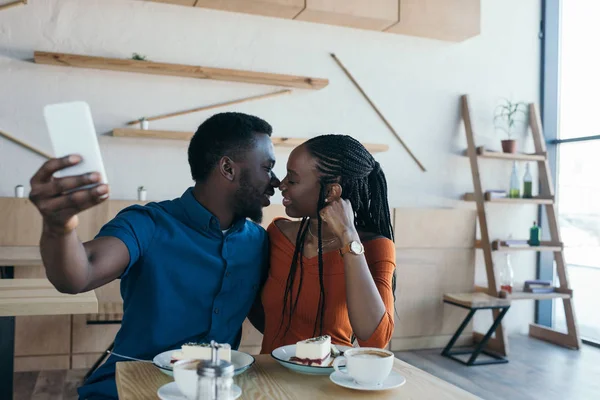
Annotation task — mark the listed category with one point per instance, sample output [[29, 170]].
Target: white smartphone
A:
[[72, 131]]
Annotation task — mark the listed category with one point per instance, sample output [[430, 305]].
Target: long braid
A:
[[342, 159], [320, 252], [287, 298]]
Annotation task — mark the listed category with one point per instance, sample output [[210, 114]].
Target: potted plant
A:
[[138, 57], [141, 193], [144, 123], [506, 119]]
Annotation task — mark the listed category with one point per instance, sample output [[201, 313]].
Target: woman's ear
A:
[[334, 192], [227, 168]]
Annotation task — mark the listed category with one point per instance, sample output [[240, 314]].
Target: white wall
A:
[[415, 82]]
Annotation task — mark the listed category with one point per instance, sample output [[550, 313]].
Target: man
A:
[[191, 267]]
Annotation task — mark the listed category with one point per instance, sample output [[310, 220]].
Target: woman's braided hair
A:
[[344, 160]]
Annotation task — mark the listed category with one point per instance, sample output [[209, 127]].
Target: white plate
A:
[[284, 353], [241, 361], [393, 381], [170, 391]]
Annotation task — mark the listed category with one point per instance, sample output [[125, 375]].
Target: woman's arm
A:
[[365, 305]]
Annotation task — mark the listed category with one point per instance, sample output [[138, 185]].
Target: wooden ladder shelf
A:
[[499, 344]]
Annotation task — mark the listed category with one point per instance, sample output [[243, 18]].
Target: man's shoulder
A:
[[152, 209], [254, 230]]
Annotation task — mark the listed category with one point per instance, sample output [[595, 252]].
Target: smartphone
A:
[[72, 131]]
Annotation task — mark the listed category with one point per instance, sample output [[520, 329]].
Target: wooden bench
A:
[[473, 302]]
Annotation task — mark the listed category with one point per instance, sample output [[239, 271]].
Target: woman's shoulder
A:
[[284, 226]]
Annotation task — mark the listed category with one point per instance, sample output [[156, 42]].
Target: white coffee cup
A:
[[366, 365], [186, 378]]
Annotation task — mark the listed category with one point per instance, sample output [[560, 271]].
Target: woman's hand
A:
[[339, 216]]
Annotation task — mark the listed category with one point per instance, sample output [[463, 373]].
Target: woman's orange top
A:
[[380, 256]]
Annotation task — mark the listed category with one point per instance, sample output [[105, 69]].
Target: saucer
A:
[[170, 391], [393, 381]]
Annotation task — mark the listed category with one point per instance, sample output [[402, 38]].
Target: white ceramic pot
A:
[[142, 195], [144, 124]]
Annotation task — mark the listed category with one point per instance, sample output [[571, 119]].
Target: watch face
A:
[[356, 247]]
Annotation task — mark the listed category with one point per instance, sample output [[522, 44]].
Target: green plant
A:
[[506, 116], [141, 188], [138, 57]]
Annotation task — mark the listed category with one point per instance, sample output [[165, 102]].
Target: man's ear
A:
[[228, 168], [334, 192]]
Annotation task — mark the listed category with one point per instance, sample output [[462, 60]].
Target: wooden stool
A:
[[474, 302]]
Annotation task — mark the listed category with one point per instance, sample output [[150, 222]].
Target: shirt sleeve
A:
[[135, 227], [383, 273]]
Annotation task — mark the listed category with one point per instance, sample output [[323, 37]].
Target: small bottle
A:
[[515, 185], [527, 184], [506, 276], [534, 235]]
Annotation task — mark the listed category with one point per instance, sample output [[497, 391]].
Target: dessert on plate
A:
[[200, 351], [313, 351]]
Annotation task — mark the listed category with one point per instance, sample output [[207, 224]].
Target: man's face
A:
[[257, 182]]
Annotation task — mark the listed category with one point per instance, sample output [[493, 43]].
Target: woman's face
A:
[[300, 187]]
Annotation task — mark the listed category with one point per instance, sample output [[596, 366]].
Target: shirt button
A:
[[216, 310], [227, 274]]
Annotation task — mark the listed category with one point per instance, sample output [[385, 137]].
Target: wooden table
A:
[[32, 297], [269, 380]]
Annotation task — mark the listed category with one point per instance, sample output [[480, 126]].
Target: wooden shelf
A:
[[174, 135], [483, 153], [13, 4], [188, 71], [519, 295], [20, 256], [500, 245], [489, 199]]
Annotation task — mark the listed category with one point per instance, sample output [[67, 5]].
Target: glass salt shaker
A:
[[215, 377]]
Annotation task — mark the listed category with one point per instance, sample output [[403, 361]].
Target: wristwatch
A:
[[355, 247]]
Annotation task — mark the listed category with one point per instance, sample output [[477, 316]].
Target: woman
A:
[[320, 281]]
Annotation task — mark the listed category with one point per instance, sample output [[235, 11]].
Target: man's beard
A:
[[248, 200]]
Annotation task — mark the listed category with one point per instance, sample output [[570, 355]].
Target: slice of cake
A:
[[200, 351], [313, 351]]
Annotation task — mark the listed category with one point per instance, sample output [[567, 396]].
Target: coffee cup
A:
[[366, 365]]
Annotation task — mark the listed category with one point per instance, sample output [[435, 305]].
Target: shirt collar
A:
[[201, 218]]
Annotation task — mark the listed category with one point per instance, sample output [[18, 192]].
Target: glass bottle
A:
[[534, 235], [515, 185], [506, 276], [527, 184]]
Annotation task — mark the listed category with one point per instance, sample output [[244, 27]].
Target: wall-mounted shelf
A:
[[13, 4], [483, 153], [188, 71], [174, 135], [509, 200]]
